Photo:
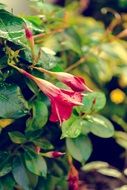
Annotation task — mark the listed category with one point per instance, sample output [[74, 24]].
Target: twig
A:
[[76, 64]]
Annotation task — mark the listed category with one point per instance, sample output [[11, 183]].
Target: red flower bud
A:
[[73, 178]]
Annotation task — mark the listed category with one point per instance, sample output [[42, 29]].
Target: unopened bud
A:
[[37, 149], [28, 32], [54, 154]]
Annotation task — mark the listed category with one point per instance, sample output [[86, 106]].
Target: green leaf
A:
[[33, 179], [71, 128], [12, 103], [11, 27], [8, 182], [47, 60], [43, 143], [5, 163], [35, 163], [100, 126], [39, 116], [79, 148], [93, 102], [85, 127], [20, 174], [17, 137], [1, 186]]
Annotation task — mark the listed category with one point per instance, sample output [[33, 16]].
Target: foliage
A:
[[62, 40]]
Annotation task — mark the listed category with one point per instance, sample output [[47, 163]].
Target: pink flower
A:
[[62, 101], [75, 83]]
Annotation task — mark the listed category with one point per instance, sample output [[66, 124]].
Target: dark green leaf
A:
[[12, 103], [32, 86], [1, 186], [35, 163], [39, 116], [3, 62], [79, 148], [17, 137], [20, 174], [5, 163], [8, 182]]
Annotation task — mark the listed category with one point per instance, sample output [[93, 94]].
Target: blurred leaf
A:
[[100, 126], [1, 186], [123, 187], [110, 172], [12, 103], [71, 41], [121, 138], [20, 174], [80, 148], [17, 137], [52, 13], [39, 116], [35, 163], [116, 50], [95, 165], [122, 3], [5, 122], [2, 6]]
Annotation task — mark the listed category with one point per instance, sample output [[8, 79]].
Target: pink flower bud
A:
[[28, 33], [54, 154], [37, 149]]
